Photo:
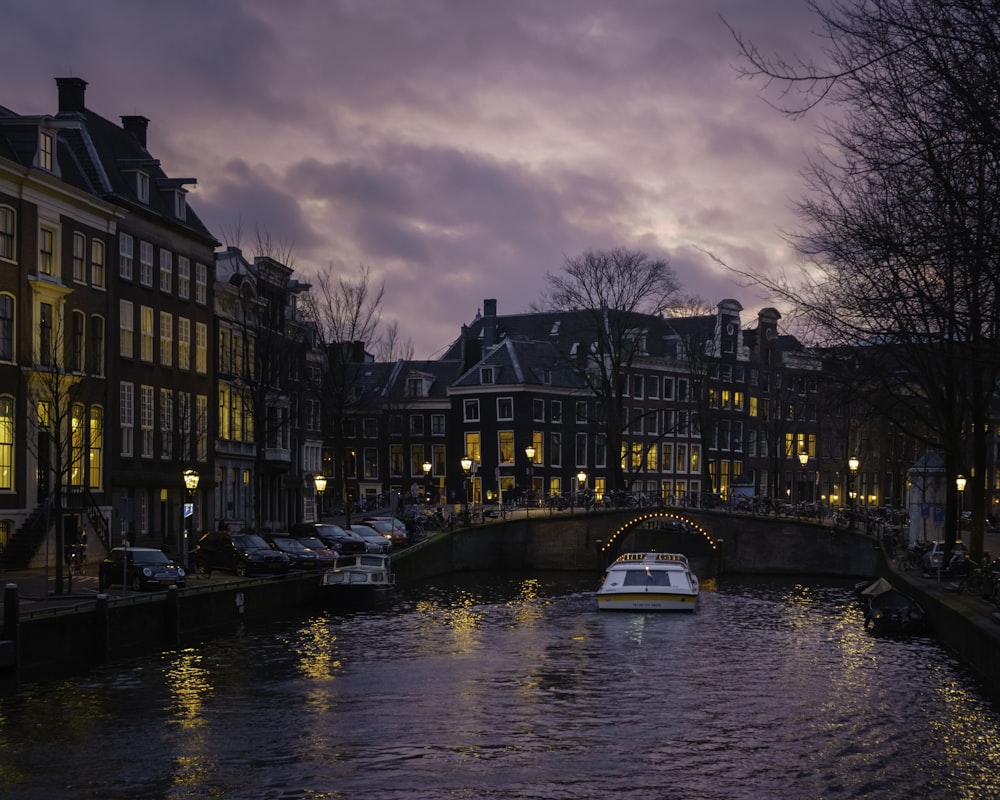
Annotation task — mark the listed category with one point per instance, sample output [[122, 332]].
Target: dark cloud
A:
[[460, 149]]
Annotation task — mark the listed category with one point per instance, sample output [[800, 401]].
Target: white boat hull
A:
[[649, 582], [646, 602]]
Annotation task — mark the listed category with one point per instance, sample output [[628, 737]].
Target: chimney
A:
[[72, 93], [137, 127], [489, 323]]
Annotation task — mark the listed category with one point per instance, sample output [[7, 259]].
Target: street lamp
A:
[[852, 464], [960, 482], [427, 467], [467, 469], [804, 461], [529, 451], [191, 478], [581, 485], [320, 482]]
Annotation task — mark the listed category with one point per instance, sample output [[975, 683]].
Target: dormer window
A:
[[486, 375], [142, 187], [180, 205], [46, 144]]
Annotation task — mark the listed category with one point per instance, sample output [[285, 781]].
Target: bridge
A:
[[716, 543]]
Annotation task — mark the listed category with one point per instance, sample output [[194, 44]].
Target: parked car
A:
[[299, 556], [141, 569], [242, 553], [389, 526], [934, 554], [376, 542], [327, 555], [333, 536]]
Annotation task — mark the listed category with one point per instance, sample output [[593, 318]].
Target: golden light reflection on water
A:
[[317, 650], [189, 684]]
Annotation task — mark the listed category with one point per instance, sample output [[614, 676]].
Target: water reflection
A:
[[518, 687]]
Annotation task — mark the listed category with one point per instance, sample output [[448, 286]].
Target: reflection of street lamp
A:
[[960, 485], [427, 466], [320, 481], [467, 469], [529, 451], [191, 478], [853, 465]]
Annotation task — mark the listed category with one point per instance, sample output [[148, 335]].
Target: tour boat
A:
[[359, 577], [649, 582]]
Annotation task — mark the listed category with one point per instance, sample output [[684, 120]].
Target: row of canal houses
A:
[[137, 352]]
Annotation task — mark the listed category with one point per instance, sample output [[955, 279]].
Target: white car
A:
[[932, 558]]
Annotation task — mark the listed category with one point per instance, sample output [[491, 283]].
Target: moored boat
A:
[[649, 582], [888, 610], [360, 577]]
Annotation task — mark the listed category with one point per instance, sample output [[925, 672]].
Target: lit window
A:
[[183, 343], [78, 432], [146, 333], [96, 446], [46, 143], [97, 262], [6, 442], [201, 347]]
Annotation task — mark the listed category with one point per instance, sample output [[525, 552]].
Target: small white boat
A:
[[359, 576], [649, 582]]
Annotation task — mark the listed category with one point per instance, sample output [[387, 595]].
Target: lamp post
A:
[[467, 469], [427, 467], [852, 464], [319, 480], [529, 451], [804, 461], [581, 486], [960, 482], [191, 478]]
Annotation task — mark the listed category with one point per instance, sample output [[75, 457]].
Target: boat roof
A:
[[651, 558]]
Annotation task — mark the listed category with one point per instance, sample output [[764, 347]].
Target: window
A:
[[46, 144], [125, 245], [201, 347], [96, 345], [166, 270], [126, 417], [46, 251], [505, 408], [166, 424], [45, 354], [78, 431], [371, 463], [76, 341], [538, 410], [437, 424], [201, 284], [471, 409], [417, 426], [472, 447], [183, 343], [581, 449], [667, 451], [581, 411], [6, 442], [142, 187], [668, 388], [557, 411], [145, 263], [637, 387], [6, 327], [79, 250], [183, 277], [416, 459], [96, 447], [146, 333], [166, 338], [126, 333], [7, 239], [486, 375], [180, 204], [97, 262], [396, 460], [555, 455], [600, 451], [201, 421], [505, 440], [369, 428], [146, 420]]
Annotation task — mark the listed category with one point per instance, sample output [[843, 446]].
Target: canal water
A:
[[517, 687]]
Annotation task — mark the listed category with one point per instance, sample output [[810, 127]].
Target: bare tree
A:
[[617, 294], [902, 224]]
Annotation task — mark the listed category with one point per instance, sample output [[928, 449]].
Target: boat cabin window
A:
[[640, 577]]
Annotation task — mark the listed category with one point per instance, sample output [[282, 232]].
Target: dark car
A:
[[141, 569], [242, 553], [299, 556], [327, 556], [376, 542], [333, 536]]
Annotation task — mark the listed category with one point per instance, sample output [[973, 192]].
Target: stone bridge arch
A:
[[664, 532]]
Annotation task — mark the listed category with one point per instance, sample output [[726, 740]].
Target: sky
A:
[[458, 149]]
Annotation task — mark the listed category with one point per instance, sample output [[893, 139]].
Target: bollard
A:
[[101, 628], [172, 623], [10, 653]]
